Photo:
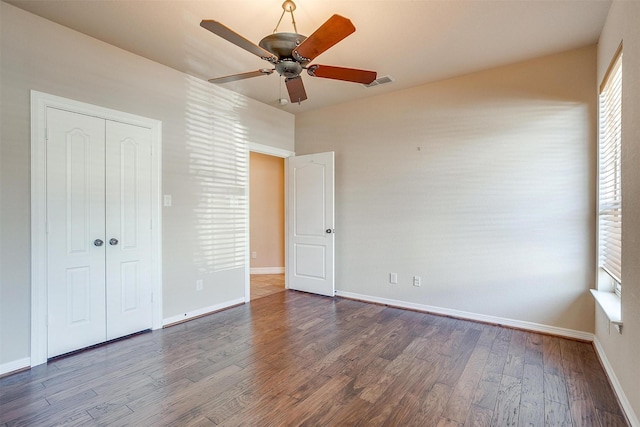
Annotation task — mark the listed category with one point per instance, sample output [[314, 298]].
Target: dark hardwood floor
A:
[[298, 359]]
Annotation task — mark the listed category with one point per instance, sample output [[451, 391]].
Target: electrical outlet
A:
[[393, 278], [254, 255], [416, 281], [199, 285]]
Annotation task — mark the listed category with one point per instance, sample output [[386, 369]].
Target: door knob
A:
[[98, 242], [113, 242], [329, 230]]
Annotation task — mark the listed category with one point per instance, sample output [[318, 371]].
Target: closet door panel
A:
[[75, 231], [128, 212]]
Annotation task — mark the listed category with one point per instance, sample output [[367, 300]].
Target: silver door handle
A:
[[98, 242], [113, 242]]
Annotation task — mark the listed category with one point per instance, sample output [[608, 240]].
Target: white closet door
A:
[[128, 229], [76, 231], [99, 230]]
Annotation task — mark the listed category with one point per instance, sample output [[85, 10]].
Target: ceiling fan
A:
[[290, 53]]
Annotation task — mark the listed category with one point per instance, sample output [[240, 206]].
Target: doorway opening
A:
[[266, 224]]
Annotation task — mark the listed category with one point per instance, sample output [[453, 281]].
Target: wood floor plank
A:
[[377, 414], [292, 358], [508, 402], [532, 398], [321, 405], [611, 420], [73, 416], [408, 405], [557, 414], [249, 409], [488, 335], [460, 356], [445, 422], [19, 407], [571, 355], [478, 417], [551, 356], [398, 340], [534, 349], [107, 414], [515, 355], [432, 406], [555, 389], [601, 392], [486, 393], [583, 413], [351, 413], [421, 375], [392, 371], [462, 397], [498, 355]]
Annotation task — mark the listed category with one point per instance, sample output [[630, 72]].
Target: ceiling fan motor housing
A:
[[282, 45], [288, 68]]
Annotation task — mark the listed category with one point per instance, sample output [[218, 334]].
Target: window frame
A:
[[609, 172]]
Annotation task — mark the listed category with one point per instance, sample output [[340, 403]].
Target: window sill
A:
[[611, 305]]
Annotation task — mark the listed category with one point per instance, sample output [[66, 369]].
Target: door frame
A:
[[39, 301], [275, 152]]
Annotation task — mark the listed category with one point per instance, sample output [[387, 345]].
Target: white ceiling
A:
[[414, 41]]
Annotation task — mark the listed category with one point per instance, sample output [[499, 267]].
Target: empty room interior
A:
[[320, 212]]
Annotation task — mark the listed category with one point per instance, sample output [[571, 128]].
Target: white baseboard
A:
[[626, 406], [16, 365], [267, 270], [201, 312], [519, 324]]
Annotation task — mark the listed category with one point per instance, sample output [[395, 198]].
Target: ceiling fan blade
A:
[[241, 76], [339, 73], [331, 32], [295, 87], [231, 36]]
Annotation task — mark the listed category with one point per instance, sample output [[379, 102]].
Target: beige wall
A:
[[267, 211], [202, 125], [622, 350], [482, 185]]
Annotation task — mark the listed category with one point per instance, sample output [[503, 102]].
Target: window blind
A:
[[609, 194]]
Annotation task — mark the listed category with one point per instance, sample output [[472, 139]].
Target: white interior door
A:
[[75, 231], [310, 228], [128, 229], [99, 202]]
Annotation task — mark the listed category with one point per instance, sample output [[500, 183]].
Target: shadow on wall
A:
[[482, 185], [216, 143]]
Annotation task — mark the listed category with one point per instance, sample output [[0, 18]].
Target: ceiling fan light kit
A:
[[290, 53]]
